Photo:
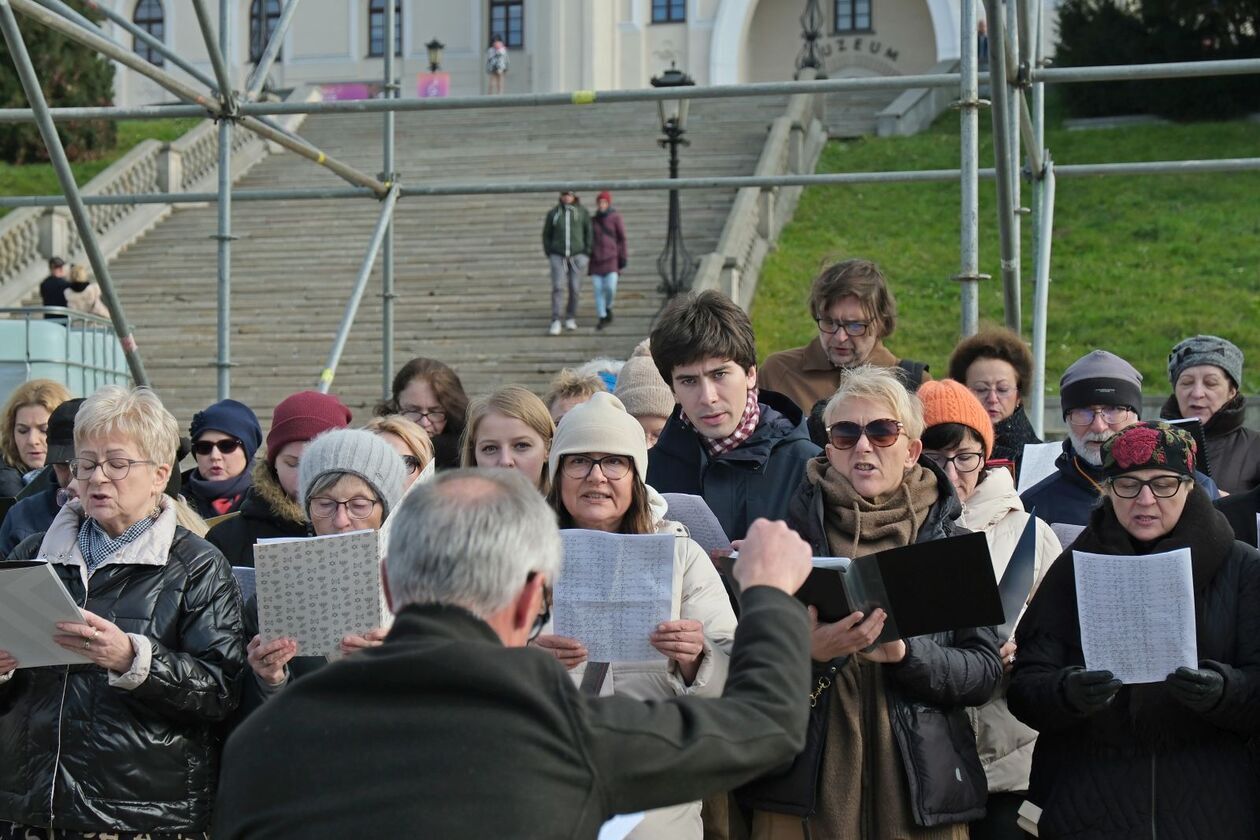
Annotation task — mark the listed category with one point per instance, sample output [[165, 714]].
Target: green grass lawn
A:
[[1138, 262], [39, 178]]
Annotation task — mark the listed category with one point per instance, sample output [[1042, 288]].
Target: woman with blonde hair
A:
[[512, 429], [24, 432], [409, 440], [84, 295]]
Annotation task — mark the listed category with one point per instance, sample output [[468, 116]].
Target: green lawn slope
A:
[[1138, 262], [39, 178]]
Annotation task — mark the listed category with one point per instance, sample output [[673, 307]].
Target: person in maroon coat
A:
[[608, 256]]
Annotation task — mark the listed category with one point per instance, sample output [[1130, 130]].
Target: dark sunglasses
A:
[[227, 446], [845, 434]]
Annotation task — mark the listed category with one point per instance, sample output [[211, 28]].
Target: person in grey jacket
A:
[[567, 241]]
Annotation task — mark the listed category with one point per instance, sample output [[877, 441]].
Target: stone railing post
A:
[[55, 224], [170, 172]]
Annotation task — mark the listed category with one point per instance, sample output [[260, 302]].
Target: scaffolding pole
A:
[[224, 236], [1006, 163], [57, 155], [356, 294], [969, 245], [389, 176], [1041, 299], [214, 49], [124, 23], [259, 76]]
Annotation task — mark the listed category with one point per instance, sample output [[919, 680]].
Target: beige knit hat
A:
[[600, 424], [641, 389]]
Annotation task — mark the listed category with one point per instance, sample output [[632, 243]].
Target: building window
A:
[[853, 16], [669, 11], [148, 16], [507, 18], [264, 15], [376, 27]]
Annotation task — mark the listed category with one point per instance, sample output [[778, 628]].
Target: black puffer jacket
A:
[[929, 689], [83, 755], [1147, 766], [1233, 450], [11, 482], [265, 513]]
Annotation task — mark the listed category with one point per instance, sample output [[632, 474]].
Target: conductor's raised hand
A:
[[569, 651], [7, 663], [772, 554], [851, 634]]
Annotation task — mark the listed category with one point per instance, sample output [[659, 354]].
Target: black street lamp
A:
[[435, 48], [811, 31], [675, 264]]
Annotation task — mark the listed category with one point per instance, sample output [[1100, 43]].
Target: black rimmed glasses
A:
[[359, 507], [580, 466], [544, 615], [845, 434], [1162, 486], [415, 415], [831, 326], [115, 469], [964, 462], [412, 463]]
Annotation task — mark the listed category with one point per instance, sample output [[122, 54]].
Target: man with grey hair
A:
[[454, 728], [1100, 394]]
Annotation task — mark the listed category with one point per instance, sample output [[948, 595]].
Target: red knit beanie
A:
[[301, 417], [950, 401], [604, 196]]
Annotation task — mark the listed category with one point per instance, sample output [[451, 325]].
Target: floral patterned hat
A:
[[1149, 445]]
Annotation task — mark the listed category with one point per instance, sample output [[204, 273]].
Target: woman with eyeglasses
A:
[[429, 393], [597, 467], [890, 751], [958, 438], [409, 440], [1171, 759], [510, 429], [350, 480], [996, 365], [225, 437], [125, 742]]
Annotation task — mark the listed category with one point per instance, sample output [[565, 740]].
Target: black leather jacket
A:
[[79, 754]]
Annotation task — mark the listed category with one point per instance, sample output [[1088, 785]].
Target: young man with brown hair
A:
[[742, 448]]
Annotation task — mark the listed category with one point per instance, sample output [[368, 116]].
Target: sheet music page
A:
[[695, 514], [32, 601], [1136, 613], [613, 591], [1037, 462], [620, 826], [318, 589]]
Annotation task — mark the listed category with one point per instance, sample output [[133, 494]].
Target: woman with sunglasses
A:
[[225, 437], [898, 758], [1169, 759], [349, 480], [597, 466], [959, 439]]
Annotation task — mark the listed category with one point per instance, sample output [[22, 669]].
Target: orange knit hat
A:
[[950, 401]]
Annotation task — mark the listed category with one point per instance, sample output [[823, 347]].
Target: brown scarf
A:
[[857, 526]]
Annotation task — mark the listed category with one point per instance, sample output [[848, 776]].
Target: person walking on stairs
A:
[[566, 240], [608, 256]]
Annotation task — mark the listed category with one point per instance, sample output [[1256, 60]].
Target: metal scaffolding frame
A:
[[1016, 76]]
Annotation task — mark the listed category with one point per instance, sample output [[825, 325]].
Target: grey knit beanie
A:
[[1206, 350], [356, 452], [1100, 378], [641, 389], [600, 424]]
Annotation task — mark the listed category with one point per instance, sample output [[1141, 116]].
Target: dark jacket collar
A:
[[1075, 470], [1228, 418], [781, 421], [428, 622]]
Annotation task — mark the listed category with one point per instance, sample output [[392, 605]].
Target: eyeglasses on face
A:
[[415, 415], [1111, 414], [115, 469], [412, 463], [982, 390], [540, 620], [580, 466], [1162, 486], [964, 462], [845, 434], [831, 326], [227, 446], [359, 507]]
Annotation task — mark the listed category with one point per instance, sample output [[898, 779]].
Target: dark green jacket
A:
[[567, 231], [444, 732]]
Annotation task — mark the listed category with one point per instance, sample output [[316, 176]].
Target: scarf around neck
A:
[[857, 526], [747, 425], [224, 496], [98, 546]]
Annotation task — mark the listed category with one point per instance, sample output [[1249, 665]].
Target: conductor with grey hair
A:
[[455, 728]]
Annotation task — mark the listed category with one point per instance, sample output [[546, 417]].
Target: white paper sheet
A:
[[840, 563], [315, 590], [619, 826], [1037, 462], [1066, 532], [1258, 527], [1137, 614], [32, 601], [613, 591], [702, 525]]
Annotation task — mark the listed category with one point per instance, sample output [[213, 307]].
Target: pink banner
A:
[[433, 85]]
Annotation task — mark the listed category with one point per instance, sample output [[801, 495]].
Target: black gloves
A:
[[1198, 689], [1089, 691]]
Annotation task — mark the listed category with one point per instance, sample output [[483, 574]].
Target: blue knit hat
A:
[[231, 418]]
